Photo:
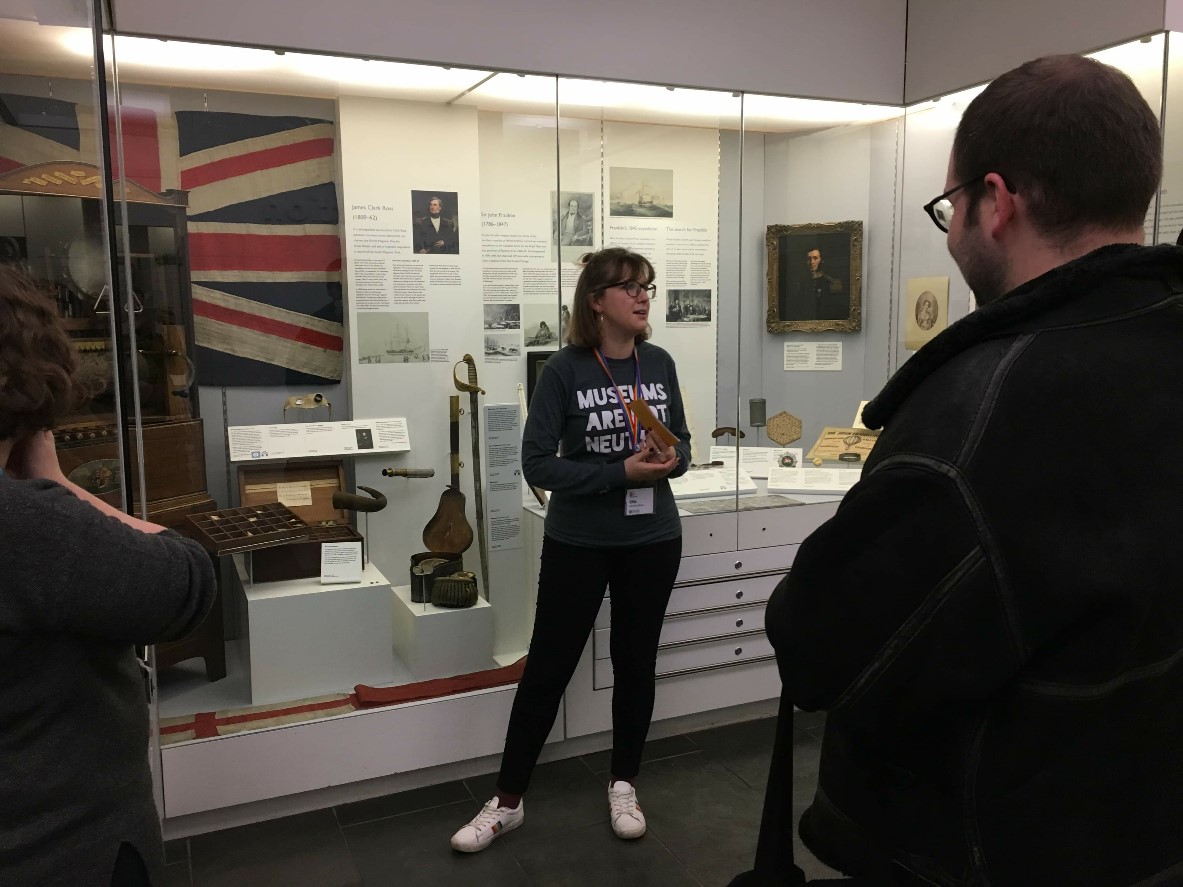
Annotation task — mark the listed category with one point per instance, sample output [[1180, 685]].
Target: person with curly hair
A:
[[81, 584]]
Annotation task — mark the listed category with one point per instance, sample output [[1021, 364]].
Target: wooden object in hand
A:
[[652, 425]]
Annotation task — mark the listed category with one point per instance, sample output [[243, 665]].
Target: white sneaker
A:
[[627, 819], [487, 825]]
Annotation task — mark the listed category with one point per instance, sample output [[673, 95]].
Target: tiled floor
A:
[[702, 795]]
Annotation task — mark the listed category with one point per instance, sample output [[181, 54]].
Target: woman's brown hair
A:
[[600, 270], [37, 361]]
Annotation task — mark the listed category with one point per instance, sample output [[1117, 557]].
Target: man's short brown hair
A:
[[37, 361], [1073, 136]]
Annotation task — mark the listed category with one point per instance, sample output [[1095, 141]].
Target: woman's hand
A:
[[36, 456], [650, 464]]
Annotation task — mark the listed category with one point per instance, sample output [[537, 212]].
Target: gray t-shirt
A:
[[576, 412]]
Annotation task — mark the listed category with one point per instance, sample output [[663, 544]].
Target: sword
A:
[[473, 390]]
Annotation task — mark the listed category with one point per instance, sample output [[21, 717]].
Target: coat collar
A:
[[1065, 295]]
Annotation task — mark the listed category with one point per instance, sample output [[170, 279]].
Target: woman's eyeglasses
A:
[[634, 289]]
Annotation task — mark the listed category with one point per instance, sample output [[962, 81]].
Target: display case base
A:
[[436, 642], [306, 638]]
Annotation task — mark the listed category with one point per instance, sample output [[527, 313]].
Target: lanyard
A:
[[631, 431]]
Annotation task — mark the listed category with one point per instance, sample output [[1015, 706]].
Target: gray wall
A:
[[852, 49], [957, 43]]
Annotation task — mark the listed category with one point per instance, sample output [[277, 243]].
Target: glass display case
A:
[[386, 256], [52, 221]]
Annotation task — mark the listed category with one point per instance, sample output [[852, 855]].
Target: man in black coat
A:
[[435, 232], [1005, 700]]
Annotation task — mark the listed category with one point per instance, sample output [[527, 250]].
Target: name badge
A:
[[638, 501]]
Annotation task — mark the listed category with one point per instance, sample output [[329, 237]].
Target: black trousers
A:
[[571, 586]]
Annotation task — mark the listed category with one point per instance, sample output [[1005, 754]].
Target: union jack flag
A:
[[264, 249]]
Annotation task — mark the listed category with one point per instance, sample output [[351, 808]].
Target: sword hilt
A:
[[471, 385]]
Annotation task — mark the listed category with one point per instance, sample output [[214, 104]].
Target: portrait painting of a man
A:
[[572, 224], [814, 277], [433, 222]]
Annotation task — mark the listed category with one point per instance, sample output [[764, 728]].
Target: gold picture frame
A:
[[815, 277]]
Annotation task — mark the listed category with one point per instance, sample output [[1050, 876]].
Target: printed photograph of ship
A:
[[642, 193], [393, 337]]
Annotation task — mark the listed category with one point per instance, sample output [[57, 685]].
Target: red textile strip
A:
[[279, 328], [141, 147], [433, 689], [205, 725], [263, 252], [269, 158]]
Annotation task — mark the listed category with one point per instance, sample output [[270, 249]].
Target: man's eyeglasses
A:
[[634, 289], [940, 208]]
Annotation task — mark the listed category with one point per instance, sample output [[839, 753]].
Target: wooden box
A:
[[258, 484], [174, 466]]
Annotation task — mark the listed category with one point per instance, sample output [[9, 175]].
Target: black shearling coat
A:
[[994, 617]]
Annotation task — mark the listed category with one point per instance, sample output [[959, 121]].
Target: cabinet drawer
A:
[[782, 526], [735, 563], [696, 626], [710, 595], [699, 656], [752, 589], [708, 533]]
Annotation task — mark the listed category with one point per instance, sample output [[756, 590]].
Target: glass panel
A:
[[347, 233], [930, 128], [655, 169], [818, 242], [1170, 221], [52, 218]]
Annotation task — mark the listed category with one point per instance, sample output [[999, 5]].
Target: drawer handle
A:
[[738, 595], [739, 623], [738, 565], [738, 650]]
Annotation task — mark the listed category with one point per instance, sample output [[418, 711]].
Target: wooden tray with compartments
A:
[[249, 528], [306, 488]]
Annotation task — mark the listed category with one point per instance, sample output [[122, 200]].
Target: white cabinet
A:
[[713, 652]]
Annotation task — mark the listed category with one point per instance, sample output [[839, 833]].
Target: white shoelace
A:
[[624, 803], [487, 816]]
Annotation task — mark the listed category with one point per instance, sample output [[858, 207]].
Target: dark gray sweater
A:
[[576, 411], [77, 589]]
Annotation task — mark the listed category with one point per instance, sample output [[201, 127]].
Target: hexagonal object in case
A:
[[784, 428]]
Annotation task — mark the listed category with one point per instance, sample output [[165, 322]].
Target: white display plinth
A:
[[308, 639], [438, 642]]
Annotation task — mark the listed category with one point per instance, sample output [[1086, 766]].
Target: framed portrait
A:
[[434, 228], [926, 310], [815, 277], [534, 363]]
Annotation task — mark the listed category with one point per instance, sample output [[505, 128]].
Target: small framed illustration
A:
[[926, 312], [815, 277], [534, 363]]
